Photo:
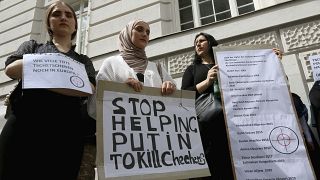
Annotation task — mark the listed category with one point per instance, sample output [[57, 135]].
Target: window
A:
[[245, 6], [194, 13], [81, 9], [186, 18]]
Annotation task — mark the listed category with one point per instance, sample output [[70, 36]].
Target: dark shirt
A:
[[314, 95], [32, 46], [300, 107], [195, 74]]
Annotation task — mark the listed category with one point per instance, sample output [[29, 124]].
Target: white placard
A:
[[149, 136], [265, 138], [315, 66], [54, 70]]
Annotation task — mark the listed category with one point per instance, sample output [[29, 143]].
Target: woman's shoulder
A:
[[114, 62], [32, 45], [151, 65], [190, 67]]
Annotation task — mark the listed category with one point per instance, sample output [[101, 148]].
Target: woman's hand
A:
[[135, 84], [167, 88], [278, 52], [212, 75]]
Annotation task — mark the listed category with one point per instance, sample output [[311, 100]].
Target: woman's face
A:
[[140, 35], [201, 46], [61, 20]]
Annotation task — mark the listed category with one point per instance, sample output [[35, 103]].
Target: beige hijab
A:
[[135, 57]]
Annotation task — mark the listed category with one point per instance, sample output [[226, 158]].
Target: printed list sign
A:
[[315, 66], [54, 70], [264, 133], [146, 135]]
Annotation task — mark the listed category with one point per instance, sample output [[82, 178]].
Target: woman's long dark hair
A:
[[211, 43]]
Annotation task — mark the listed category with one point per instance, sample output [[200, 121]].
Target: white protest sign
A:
[[315, 66], [54, 70], [146, 135], [264, 133]]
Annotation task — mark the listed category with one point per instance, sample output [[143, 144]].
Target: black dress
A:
[[314, 152], [314, 96], [43, 137], [213, 133]]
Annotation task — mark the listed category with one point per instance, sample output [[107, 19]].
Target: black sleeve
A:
[[300, 107], [188, 79], [28, 47], [314, 95], [90, 69]]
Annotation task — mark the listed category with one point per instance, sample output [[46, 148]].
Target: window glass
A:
[[206, 8], [186, 16], [214, 12], [187, 26], [246, 9], [207, 20], [245, 6], [209, 11], [243, 2], [223, 15], [221, 5], [184, 3], [81, 9]]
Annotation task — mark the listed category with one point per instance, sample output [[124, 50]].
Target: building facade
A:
[[291, 25]]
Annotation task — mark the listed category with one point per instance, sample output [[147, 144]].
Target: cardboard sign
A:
[[54, 70], [264, 133], [146, 135]]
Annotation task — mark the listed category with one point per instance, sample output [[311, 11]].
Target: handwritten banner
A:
[[54, 70], [146, 135], [315, 66], [264, 133]]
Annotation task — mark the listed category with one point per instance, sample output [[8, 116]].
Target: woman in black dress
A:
[[42, 138], [200, 77]]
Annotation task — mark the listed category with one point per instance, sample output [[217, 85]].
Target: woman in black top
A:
[[42, 138], [200, 77], [314, 96]]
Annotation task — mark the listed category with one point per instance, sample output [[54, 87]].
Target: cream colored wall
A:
[[259, 4], [20, 21], [107, 18]]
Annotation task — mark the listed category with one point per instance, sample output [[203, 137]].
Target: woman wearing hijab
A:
[[132, 66]]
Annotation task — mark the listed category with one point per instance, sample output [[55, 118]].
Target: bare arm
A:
[[211, 76], [14, 70]]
